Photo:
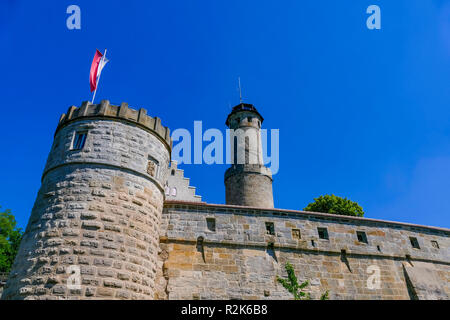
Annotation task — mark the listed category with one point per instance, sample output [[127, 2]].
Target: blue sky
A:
[[363, 114]]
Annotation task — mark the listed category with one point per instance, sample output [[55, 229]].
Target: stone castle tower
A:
[[99, 208], [247, 182], [112, 220]]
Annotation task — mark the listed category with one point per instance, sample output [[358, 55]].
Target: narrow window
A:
[[211, 224], [249, 119], [174, 192], [414, 242], [79, 140], [323, 233], [167, 191], [362, 237], [435, 244], [235, 150], [173, 172], [270, 228], [247, 150], [296, 234]]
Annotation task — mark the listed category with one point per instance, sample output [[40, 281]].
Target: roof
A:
[[244, 107]]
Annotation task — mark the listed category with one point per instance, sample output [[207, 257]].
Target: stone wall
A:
[[238, 261], [249, 185], [177, 186], [97, 214]]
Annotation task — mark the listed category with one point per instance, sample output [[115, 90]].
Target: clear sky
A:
[[363, 114]]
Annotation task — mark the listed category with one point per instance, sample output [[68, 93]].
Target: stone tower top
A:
[[241, 114], [122, 113]]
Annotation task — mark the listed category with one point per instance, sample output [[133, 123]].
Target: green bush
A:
[[10, 237], [335, 205]]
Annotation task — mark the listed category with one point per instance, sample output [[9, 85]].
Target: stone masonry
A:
[[239, 259], [98, 211], [112, 220], [247, 182]]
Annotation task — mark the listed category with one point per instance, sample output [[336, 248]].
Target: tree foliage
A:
[[336, 205], [10, 237], [291, 284]]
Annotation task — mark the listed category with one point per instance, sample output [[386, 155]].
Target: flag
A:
[[97, 65]]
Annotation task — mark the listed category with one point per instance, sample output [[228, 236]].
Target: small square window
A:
[[270, 228], [323, 233], [414, 242], [79, 141], [362, 237], [435, 244], [296, 234], [211, 224]]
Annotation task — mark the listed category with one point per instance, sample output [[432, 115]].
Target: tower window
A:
[[249, 119], [323, 233], [211, 224], [167, 190], [174, 192], [362, 237], [270, 228], [296, 234], [414, 242], [173, 172], [79, 141], [435, 244]]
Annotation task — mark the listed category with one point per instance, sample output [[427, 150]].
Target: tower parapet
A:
[[94, 228], [247, 182]]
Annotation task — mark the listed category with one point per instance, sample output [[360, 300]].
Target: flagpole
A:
[[98, 80]]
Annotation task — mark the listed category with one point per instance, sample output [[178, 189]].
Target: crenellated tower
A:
[[247, 182], [94, 228]]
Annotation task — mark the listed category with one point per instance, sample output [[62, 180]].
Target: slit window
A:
[[362, 237], [435, 244], [79, 141], [270, 228], [323, 233], [414, 242], [211, 224]]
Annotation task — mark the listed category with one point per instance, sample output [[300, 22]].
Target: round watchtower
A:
[[94, 228], [247, 182]]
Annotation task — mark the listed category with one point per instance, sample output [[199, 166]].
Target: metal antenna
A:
[[240, 90]]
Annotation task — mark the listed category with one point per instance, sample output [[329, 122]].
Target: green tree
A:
[[291, 284], [336, 205], [10, 237]]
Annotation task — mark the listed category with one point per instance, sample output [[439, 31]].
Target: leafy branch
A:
[[297, 290]]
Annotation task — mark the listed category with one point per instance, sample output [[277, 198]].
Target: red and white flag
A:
[[96, 68]]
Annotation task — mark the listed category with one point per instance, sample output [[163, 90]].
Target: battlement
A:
[[106, 110]]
